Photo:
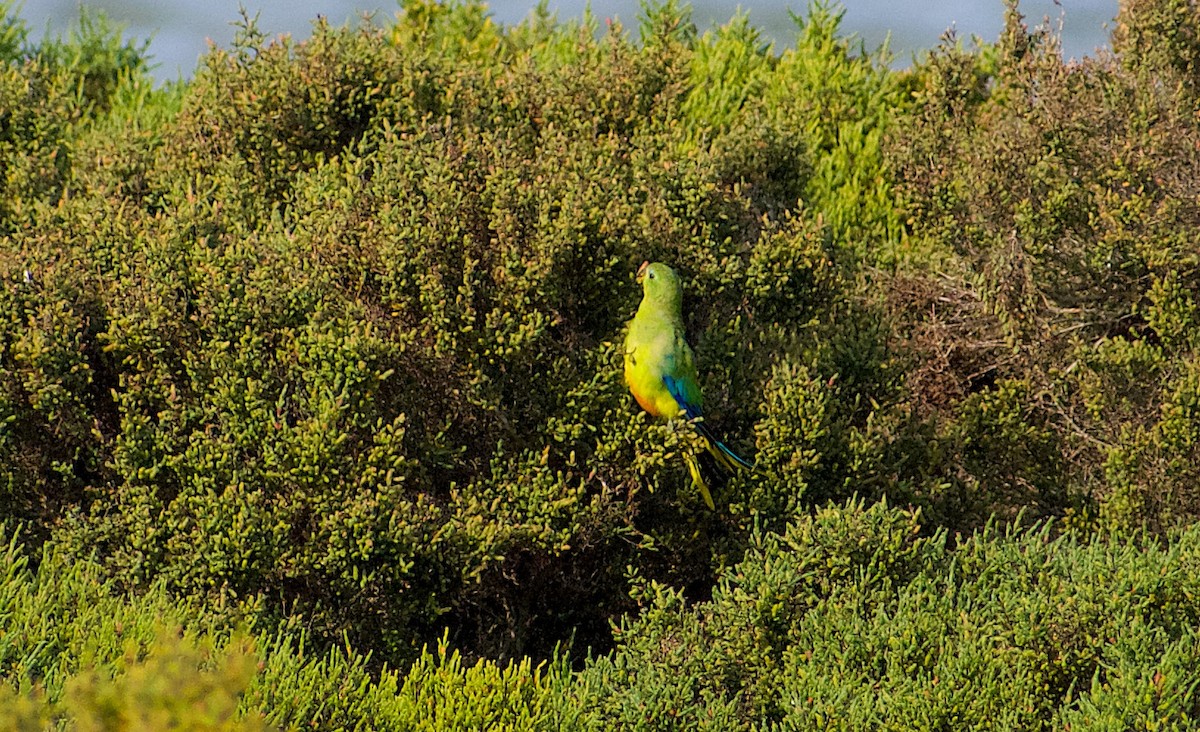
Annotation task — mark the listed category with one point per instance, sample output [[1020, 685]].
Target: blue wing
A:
[[678, 390]]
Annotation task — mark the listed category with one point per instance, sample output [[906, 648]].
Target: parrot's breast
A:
[[647, 387]]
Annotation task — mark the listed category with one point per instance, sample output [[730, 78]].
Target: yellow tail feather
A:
[[698, 479], [727, 464]]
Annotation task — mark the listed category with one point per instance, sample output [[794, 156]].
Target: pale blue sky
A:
[[181, 29]]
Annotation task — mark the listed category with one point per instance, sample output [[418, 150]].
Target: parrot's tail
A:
[[729, 460], [698, 479]]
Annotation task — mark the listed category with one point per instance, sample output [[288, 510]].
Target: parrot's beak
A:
[[641, 273]]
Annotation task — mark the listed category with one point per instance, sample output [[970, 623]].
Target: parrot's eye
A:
[[651, 275]]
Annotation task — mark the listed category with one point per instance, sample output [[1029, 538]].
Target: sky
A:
[[181, 30]]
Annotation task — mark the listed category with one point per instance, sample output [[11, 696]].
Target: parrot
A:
[[660, 367]]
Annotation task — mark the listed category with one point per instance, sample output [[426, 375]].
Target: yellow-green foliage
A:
[[75, 649], [72, 649], [852, 619], [333, 324], [179, 686]]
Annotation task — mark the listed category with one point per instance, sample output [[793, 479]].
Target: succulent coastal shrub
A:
[[856, 617], [333, 329], [48, 92], [77, 651], [1054, 210]]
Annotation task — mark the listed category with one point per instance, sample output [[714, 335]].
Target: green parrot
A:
[[660, 367]]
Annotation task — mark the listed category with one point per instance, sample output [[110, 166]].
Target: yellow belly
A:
[[649, 390]]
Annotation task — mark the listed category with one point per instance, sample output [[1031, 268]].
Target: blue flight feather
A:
[[675, 387]]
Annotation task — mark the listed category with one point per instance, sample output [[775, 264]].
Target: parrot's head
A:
[[659, 283]]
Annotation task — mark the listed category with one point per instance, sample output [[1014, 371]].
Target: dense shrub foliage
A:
[[74, 651], [1060, 200], [311, 405], [852, 618], [345, 335]]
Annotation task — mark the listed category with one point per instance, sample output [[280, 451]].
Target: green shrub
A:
[[852, 619], [170, 690], [95, 61], [1051, 201], [334, 323], [74, 649], [77, 650], [324, 344]]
